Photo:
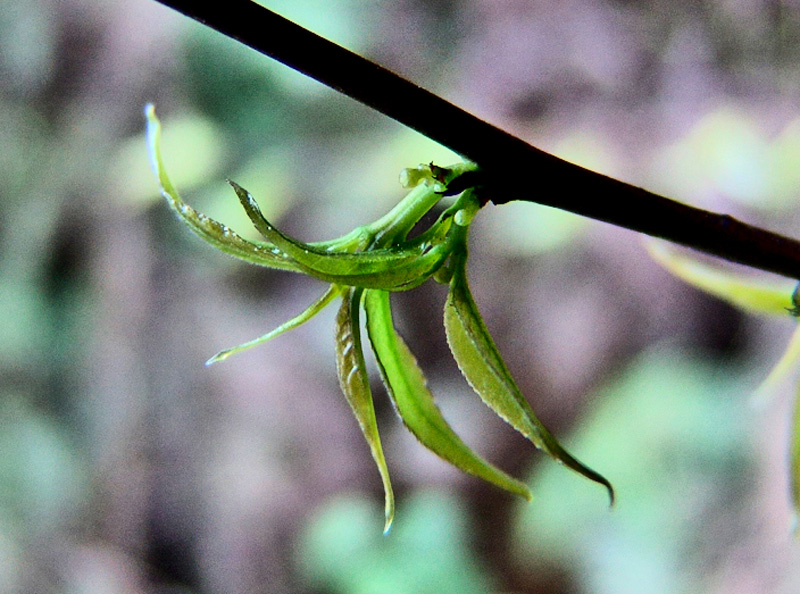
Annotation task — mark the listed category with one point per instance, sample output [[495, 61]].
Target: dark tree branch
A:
[[514, 170]]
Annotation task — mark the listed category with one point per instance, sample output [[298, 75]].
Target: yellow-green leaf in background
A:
[[761, 296], [758, 295]]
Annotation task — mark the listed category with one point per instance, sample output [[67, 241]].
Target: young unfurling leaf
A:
[[208, 229], [480, 362], [414, 402], [355, 384], [388, 268]]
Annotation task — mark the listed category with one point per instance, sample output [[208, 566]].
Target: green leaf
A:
[[482, 366], [209, 230], [407, 274], [354, 382], [414, 402], [358, 239], [762, 296], [312, 310], [376, 268]]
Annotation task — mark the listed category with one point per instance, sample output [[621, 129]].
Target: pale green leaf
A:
[[414, 402], [374, 268], [482, 366], [207, 229], [758, 295]]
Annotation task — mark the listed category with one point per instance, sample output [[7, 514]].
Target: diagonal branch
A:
[[514, 170]]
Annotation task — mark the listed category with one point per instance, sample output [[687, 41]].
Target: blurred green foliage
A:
[[683, 462], [729, 152], [428, 552], [44, 484]]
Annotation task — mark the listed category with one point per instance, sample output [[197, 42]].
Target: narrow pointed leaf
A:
[[762, 296], [309, 313], [354, 382], [414, 402], [376, 268], [212, 232], [482, 366]]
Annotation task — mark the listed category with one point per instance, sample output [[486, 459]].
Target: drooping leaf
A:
[[762, 296], [414, 402], [209, 230], [312, 310], [481, 364], [354, 382]]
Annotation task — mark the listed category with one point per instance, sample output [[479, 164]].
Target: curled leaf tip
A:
[[387, 526], [212, 232], [237, 188], [220, 356]]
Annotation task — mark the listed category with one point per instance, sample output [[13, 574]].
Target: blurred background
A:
[[128, 466]]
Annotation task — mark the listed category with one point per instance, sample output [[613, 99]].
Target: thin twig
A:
[[514, 169]]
